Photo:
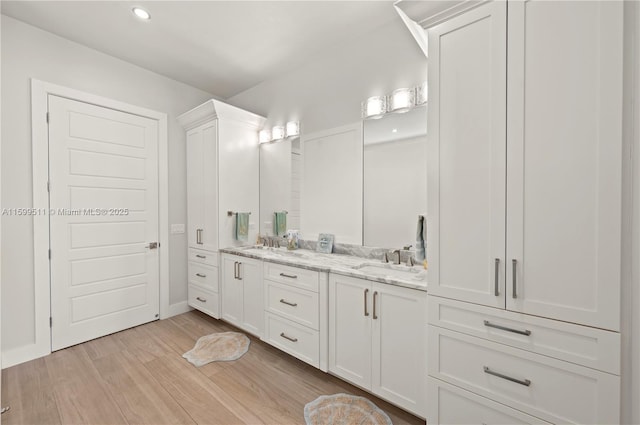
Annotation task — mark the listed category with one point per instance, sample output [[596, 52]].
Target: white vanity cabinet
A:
[[222, 175], [377, 339], [242, 293]]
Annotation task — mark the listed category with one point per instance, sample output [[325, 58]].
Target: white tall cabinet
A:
[[524, 211], [222, 179]]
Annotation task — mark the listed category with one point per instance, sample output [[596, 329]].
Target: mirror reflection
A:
[[395, 178]]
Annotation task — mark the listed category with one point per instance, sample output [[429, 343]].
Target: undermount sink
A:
[[389, 270], [279, 250]]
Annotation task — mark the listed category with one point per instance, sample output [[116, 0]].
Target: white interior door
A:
[[103, 171]]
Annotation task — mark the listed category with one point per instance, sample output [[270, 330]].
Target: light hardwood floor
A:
[[138, 376]]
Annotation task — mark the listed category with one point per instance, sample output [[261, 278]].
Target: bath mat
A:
[[218, 347], [344, 409]]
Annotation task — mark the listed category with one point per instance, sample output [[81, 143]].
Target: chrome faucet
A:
[[397, 251]]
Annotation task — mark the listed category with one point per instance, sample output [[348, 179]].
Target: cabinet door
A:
[[350, 312], [232, 291], [250, 272], [195, 185], [466, 156], [210, 187], [399, 320], [564, 160]]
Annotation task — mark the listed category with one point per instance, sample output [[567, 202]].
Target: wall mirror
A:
[[395, 178]]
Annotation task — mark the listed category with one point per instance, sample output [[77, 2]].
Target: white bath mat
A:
[[344, 409], [218, 347]]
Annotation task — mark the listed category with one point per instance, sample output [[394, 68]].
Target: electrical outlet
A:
[[177, 229]]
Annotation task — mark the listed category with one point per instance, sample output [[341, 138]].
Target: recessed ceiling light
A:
[[395, 130], [141, 13]]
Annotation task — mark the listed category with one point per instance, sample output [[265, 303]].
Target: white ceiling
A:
[[222, 47]]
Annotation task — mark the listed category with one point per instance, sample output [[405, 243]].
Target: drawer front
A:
[[205, 301], [594, 348], [557, 391], [302, 278], [448, 404], [202, 275], [292, 338], [295, 304], [205, 257]]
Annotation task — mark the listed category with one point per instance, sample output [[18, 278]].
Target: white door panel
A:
[[103, 169]]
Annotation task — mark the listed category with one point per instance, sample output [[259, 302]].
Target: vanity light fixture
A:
[[422, 93], [374, 107], [141, 13], [402, 100], [277, 133], [264, 136], [293, 129]]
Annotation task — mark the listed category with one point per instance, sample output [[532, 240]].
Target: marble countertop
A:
[[346, 265]]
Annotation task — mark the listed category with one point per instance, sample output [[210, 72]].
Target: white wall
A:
[[28, 52], [326, 92]]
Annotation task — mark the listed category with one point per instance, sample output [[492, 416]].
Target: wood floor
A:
[[138, 376]]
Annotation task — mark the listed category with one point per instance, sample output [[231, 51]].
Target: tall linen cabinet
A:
[[524, 211], [223, 175]]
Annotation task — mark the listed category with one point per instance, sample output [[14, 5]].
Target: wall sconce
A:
[[422, 93], [402, 100], [279, 132], [374, 107], [264, 136], [293, 128]]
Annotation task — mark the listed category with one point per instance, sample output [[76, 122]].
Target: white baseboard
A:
[[23, 354], [177, 308]]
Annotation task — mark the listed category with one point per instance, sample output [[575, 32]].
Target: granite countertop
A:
[[347, 265]]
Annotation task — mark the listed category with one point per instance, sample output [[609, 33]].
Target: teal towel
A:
[[280, 223], [242, 226]]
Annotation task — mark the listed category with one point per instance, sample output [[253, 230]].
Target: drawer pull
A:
[[202, 300], [201, 275], [526, 382], [504, 328], [285, 336], [290, 276], [201, 256], [283, 301]]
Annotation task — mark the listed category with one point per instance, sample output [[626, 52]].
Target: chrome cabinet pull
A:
[[496, 290], [202, 300], [239, 277], [514, 269], [235, 270], [375, 294], [283, 301], [199, 236], [290, 276], [524, 382], [366, 310], [288, 337], [201, 256], [504, 328], [201, 275]]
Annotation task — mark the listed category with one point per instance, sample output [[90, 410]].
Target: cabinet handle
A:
[[288, 337], [504, 328], [239, 277], [514, 270], [201, 256], [235, 270], [283, 301], [366, 310], [375, 294], [202, 300], [199, 236], [525, 382], [291, 276], [201, 275], [496, 290]]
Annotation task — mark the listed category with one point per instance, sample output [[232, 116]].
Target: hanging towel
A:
[[242, 226], [420, 237], [280, 223]]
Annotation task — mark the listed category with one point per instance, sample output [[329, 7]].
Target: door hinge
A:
[[48, 186], [49, 254], [47, 118], [50, 321]]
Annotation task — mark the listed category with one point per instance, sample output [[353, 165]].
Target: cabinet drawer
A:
[[448, 404], [204, 257], [292, 338], [303, 278], [557, 391], [203, 275], [203, 300], [295, 304], [594, 348]]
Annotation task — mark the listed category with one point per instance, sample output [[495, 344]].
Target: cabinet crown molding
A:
[[213, 109], [429, 13]]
